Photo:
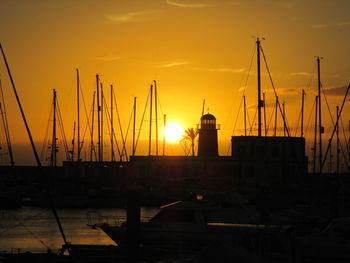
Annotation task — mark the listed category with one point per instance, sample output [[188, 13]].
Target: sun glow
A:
[[173, 132]]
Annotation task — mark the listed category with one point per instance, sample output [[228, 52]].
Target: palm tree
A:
[[190, 135]]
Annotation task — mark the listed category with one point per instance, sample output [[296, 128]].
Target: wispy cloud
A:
[[229, 70], [235, 3], [132, 16], [173, 64], [289, 91], [182, 4], [109, 58], [320, 26], [336, 91], [287, 3], [300, 74]]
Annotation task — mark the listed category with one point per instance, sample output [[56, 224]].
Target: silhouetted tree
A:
[[191, 134]]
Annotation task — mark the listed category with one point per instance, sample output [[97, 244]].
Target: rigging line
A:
[[7, 135], [6, 126], [297, 126], [252, 124], [87, 116], [92, 145], [335, 126], [127, 130], [250, 67], [120, 125], [309, 119], [344, 134], [143, 115], [240, 85], [308, 87], [271, 116], [44, 146], [274, 90], [110, 131], [344, 156], [121, 153], [60, 123], [239, 110], [87, 127], [234, 126], [329, 111]]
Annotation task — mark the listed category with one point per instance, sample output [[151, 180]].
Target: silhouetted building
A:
[[269, 160], [275, 163], [208, 137]]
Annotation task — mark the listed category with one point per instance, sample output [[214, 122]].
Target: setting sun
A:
[[173, 132]]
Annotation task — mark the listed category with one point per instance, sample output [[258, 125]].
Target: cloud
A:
[[336, 91], [132, 16], [186, 5], [229, 70], [235, 3], [108, 58], [173, 64], [320, 26], [287, 4], [300, 74], [289, 91]]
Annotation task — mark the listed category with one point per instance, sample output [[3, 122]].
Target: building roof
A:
[[208, 116]]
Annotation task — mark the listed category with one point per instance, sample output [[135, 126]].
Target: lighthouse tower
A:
[[208, 137]]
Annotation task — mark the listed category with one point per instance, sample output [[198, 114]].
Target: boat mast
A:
[[276, 111], [156, 112], [112, 129], [134, 129], [53, 143], [315, 138], [101, 117], [265, 126], [284, 114], [337, 131], [245, 116], [259, 86], [73, 142], [78, 112], [92, 127], [98, 117], [302, 114], [150, 124], [320, 129], [164, 134]]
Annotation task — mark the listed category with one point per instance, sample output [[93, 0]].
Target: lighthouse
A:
[[208, 137]]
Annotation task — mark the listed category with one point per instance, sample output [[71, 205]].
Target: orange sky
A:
[[195, 49]]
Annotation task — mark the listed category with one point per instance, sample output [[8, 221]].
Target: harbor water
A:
[[35, 229]]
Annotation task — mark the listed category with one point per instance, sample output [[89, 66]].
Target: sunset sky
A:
[[194, 49]]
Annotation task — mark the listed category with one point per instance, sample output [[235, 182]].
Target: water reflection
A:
[[34, 229]]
